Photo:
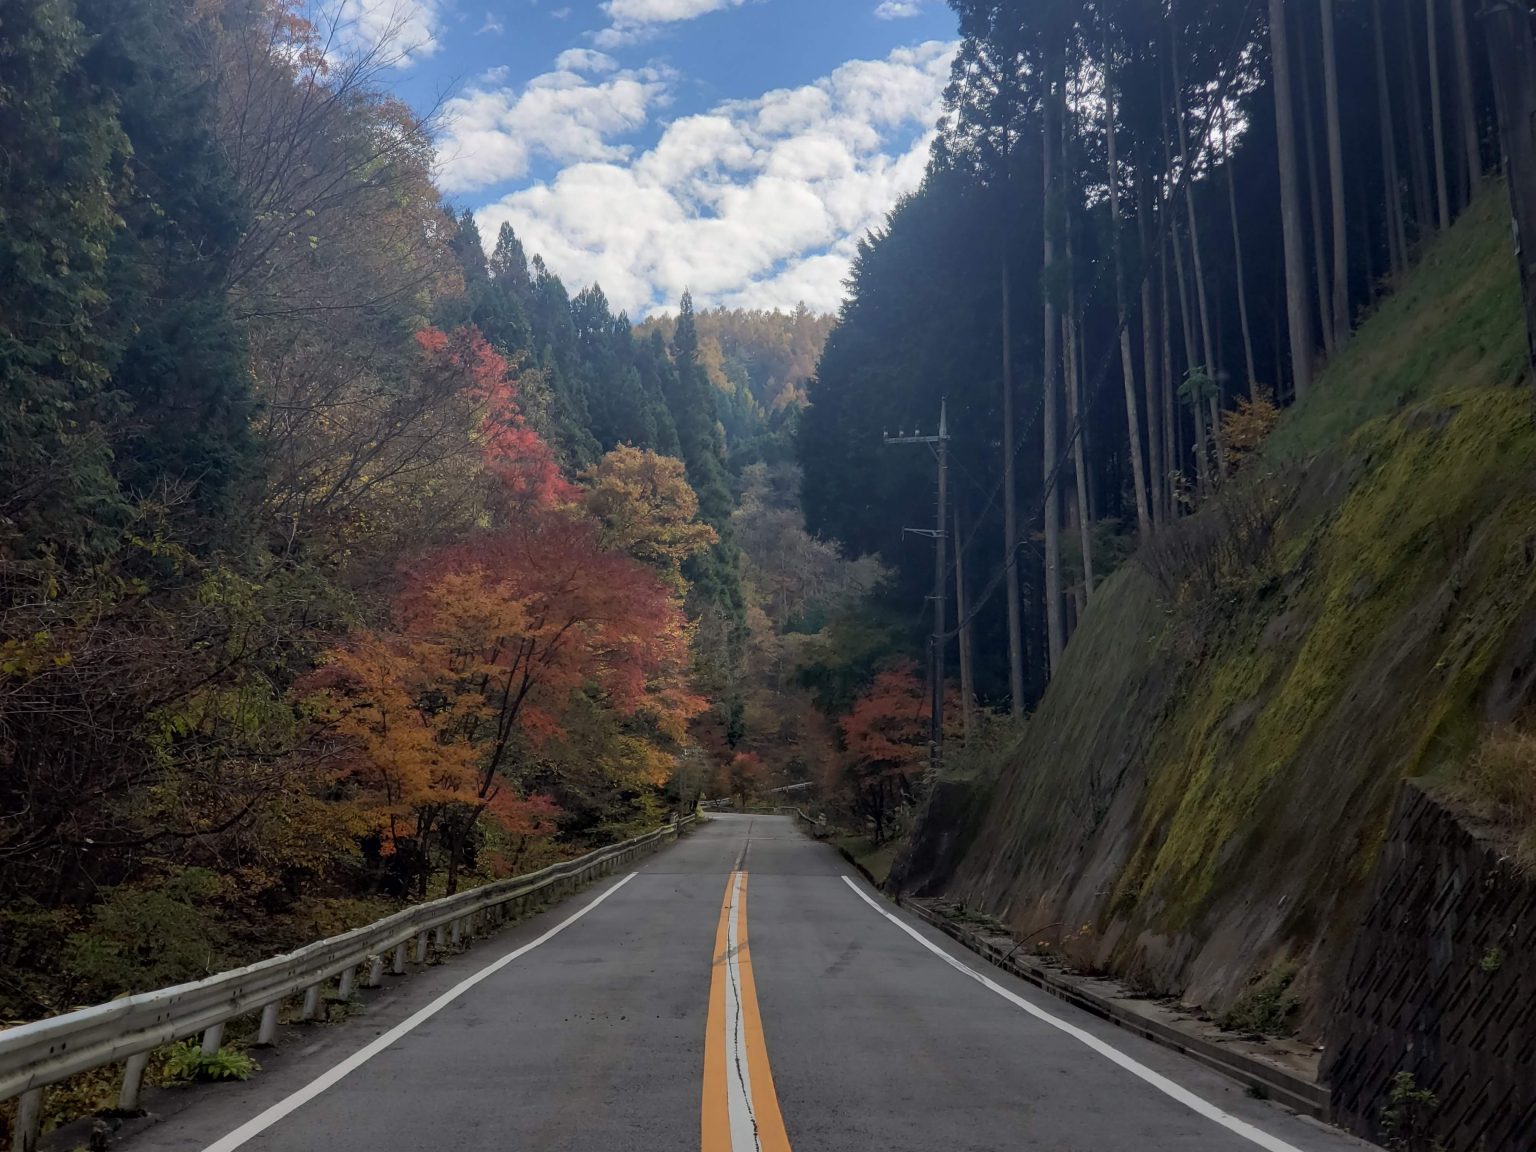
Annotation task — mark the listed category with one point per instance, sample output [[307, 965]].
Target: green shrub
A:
[[1267, 1007], [146, 936], [1408, 1116], [187, 1063]]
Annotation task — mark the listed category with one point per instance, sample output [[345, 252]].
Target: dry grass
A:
[[1499, 783]]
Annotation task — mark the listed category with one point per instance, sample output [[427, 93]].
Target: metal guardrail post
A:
[[213, 1040], [29, 1120], [133, 1081], [398, 968], [375, 972], [344, 984], [267, 1035], [421, 947], [311, 1002]]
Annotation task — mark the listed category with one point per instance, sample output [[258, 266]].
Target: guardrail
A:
[[33, 1056]]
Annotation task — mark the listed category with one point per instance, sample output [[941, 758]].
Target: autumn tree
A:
[[885, 739], [647, 509], [495, 639]]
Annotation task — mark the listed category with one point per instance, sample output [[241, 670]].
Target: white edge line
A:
[[1183, 1095], [264, 1120]]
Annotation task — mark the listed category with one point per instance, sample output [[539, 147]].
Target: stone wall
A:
[[1441, 984]]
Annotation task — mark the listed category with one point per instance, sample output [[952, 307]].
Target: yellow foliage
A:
[[1247, 426]]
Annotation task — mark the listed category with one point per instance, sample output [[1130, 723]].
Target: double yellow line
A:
[[741, 1108]]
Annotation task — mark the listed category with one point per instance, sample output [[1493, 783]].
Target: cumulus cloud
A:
[[898, 9], [585, 60], [493, 134], [403, 30], [634, 20], [755, 203]]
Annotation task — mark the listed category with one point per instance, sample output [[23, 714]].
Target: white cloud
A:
[[756, 203], [585, 60], [898, 9], [493, 134], [634, 20], [403, 30], [492, 25]]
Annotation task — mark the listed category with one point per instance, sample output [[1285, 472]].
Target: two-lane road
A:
[[740, 992]]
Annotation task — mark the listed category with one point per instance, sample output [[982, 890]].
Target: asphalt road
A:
[[740, 991]]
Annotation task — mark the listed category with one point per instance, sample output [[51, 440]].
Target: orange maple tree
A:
[[494, 637], [512, 450], [885, 737], [495, 641]]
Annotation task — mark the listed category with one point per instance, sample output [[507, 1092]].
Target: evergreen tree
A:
[[692, 403], [59, 211], [182, 365]]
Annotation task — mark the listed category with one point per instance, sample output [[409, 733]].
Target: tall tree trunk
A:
[[1279, 343], [1237, 261], [1127, 365], [1011, 511], [1155, 473], [1413, 93], [1437, 121], [1367, 240], [1471, 146], [963, 627], [1397, 240], [1336, 180], [1076, 422], [1196, 402], [1207, 346], [1186, 315], [1055, 76], [1165, 396], [1320, 266], [1296, 302], [1512, 68], [1086, 433]]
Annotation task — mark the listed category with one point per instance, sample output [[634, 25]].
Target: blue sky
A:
[[735, 147]]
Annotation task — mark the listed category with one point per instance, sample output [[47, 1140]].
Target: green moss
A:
[[1232, 761], [1267, 1006], [1455, 321], [1435, 522], [876, 861]]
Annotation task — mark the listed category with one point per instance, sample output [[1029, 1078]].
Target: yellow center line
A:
[[740, 1107], [717, 1126]]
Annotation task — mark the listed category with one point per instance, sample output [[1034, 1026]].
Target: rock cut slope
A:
[[1202, 795]]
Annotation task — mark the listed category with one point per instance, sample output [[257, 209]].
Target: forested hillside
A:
[[346, 557], [1144, 227], [1203, 793], [1220, 306], [1145, 230]]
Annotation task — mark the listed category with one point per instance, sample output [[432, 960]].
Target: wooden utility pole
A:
[[963, 631], [940, 445]]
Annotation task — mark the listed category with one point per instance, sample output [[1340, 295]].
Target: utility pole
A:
[[936, 644]]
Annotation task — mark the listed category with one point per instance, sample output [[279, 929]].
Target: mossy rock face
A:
[[1209, 778]]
